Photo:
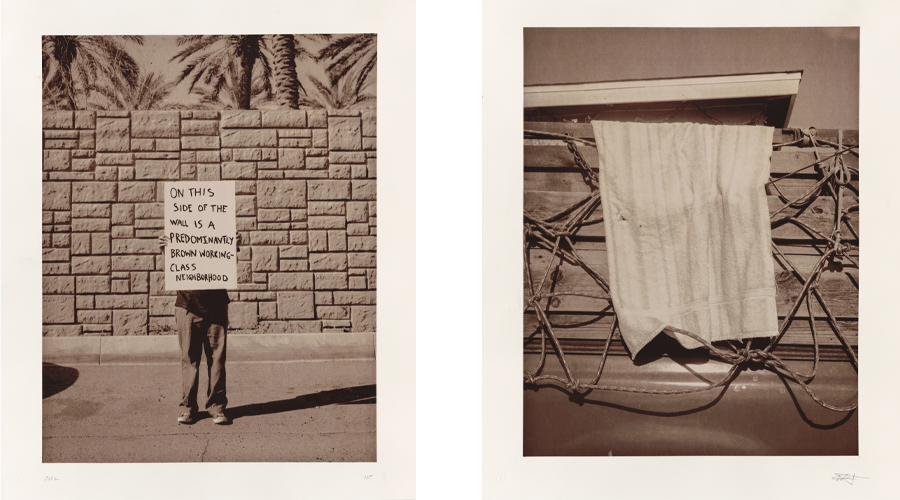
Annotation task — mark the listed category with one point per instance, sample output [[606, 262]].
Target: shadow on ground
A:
[[364, 394], [57, 378]]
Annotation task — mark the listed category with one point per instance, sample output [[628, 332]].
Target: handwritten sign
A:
[[200, 224]]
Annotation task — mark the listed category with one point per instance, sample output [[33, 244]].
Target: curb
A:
[[163, 349]]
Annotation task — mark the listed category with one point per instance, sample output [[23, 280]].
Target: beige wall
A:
[[305, 188]]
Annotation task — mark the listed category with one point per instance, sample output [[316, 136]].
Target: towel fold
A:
[[688, 236]]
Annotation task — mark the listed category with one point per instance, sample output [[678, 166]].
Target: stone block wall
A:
[[306, 212]]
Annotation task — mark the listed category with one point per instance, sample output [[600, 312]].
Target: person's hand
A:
[[163, 241]]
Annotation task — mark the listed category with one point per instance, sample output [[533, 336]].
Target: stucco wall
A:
[[305, 186]]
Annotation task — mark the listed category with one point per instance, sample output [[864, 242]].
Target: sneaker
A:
[[219, 418], [186, 418]]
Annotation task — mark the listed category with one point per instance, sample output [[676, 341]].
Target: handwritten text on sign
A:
[[200, 225]]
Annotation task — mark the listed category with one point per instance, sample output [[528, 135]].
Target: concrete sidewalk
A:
[[283, 411]]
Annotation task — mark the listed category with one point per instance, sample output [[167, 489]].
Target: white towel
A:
[[687, 230]]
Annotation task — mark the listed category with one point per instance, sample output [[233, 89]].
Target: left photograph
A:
[[209, 248]]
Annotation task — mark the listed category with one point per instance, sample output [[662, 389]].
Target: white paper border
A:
[[22, 472], [506, 473]]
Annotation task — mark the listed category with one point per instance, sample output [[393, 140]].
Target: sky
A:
[[829, 57]]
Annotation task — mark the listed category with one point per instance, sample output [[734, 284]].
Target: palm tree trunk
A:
[[248, 52], [286, 83]]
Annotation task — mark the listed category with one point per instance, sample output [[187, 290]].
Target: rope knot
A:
[[574, 386], [529, 378], [754, 356]]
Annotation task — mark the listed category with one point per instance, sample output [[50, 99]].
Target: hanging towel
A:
[[687, 230]]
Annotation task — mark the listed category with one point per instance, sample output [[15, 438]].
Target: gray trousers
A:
[[196, 335]]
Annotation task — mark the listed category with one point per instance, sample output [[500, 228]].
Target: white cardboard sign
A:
[[200, 224]]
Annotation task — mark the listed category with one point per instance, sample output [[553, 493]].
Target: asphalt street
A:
[[295, 411]]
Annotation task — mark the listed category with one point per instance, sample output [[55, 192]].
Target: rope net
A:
[[554, 233]]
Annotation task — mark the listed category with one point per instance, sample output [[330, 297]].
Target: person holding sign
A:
[[201, 319]]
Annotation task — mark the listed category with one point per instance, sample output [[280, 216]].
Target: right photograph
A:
[[691, 241]]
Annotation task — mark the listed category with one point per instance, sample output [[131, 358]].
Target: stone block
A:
[[241, 119], [341, 171], [81, 244], [296, 305], [317, 118], [149, 224], [245, 187], [298, 214], [159, 155], [88, 225], [337, 241], [57, 119], [140, 282], [291, 265], [135, 246], [249, 138], [344, 134], [370, 278], [284, 118], [200, 142], [132, 262], [92, 284], [329, 190], [130, 322], [246, 205], [357, 282], [163, 306], [57, 160], [269, 238], [244, 272], [358, 172], [162, 325], [148, 210], [83, 164], [95, 316], [288, 174], [354, 297], [274, 215], [56, 195], [155, 124], [346, 157], [58, 309], [58, 285], [61, 240], [62, 330], [361, 259], [326, 222], [326, 208], [123, 214], [291, 159], [299, 238], [369, 123], [137, 191], [331, 281], [205, 115], [320, 138], [333, 312], [93, 210], [238, 170], [54, 268], [85, 119], [143, 144], [265, 259], [106, 173], [364, 189], [268, 310], [324, 298], [113, 134], [318, 241], [157, 169], [209, 172], [200, 127], [243, 315], [126, 173], [208, 156], [370, 144], [328, 261], [290, 281], [54, 254], [121, 301], [361, 243], [363, 318], [100, 243], [294, 142], [122, 232], [84, 302], [281, 194], [168, 145], [251, 154]]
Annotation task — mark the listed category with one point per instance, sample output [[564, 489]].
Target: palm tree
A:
[[72, 64], [351, 53], [342, 95], [148, 93], [226, 94], [287, 86], [211, 55]]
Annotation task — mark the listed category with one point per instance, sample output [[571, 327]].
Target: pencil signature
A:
[[848, 478]]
